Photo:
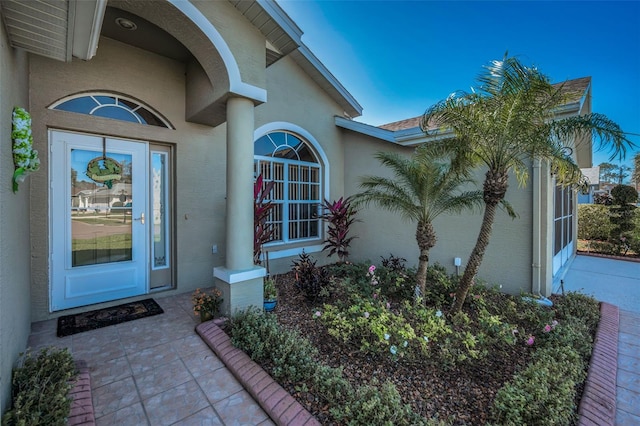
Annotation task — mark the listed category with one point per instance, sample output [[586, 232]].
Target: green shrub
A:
[[580, 306], [260, 337], [571, 333], [544, 392], [377, 404], [593, 222], [439, 286], [40, 387]]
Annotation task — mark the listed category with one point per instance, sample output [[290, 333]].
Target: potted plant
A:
[[270, 294], [206, 305]]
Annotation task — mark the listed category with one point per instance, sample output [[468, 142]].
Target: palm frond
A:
[[608, 134]]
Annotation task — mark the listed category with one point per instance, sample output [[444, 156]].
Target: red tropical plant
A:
[[263, 231], [340, 215]]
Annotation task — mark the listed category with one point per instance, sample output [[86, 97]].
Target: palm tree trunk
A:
[[475, 259], [421, 275], [426, 238]]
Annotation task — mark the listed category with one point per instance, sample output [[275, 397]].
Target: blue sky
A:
[[399, 57]]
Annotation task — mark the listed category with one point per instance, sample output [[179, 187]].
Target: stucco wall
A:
[[15, 318], [199, 162], [244, 40], [507, 261]]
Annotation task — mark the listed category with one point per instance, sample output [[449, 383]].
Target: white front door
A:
[[99, 238]]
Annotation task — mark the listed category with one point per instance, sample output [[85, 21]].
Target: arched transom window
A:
[[287, 160], [112, 106]]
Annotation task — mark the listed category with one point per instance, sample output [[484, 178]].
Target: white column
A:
[[239, 232]]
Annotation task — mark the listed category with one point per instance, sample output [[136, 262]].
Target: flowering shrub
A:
[[25, 158], [207, 304], [374, 328]]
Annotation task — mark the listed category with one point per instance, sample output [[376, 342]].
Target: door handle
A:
[[141, 218]]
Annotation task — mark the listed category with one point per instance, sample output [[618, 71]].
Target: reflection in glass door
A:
[[101, 223], [99, 198]]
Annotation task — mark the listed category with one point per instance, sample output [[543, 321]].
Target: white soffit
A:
[[38, 26], [87, 24], [57, 29]]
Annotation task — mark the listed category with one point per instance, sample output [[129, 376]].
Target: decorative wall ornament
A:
[[25, 158]]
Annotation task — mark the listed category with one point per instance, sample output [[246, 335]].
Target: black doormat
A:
[[72, 324]]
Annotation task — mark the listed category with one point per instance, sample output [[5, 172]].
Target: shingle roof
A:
[[574, 88]]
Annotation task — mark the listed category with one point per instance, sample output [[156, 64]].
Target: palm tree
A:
[[636, 171], [422, 190], [511, 119]]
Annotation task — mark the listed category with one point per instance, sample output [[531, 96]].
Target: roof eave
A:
[[60, 30], [406, 137]]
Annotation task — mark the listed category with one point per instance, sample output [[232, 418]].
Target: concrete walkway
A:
[[616, 282]]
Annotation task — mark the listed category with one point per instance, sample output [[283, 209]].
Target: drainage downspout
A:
[[537, 226]]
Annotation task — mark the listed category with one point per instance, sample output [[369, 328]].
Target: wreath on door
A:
[[25, 158], [104, 169]]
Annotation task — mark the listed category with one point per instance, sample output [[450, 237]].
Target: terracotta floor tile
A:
[[143, 340], [132, 415], [240, 409], [175, 404], [218, 384], [202, 362], [206, 417], [161, 379], [42, 340], [114, 396], [150, 358], [189, 344], [97, 349], [103, 373]]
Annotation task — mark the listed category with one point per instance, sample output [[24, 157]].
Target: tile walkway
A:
[[156, 371]]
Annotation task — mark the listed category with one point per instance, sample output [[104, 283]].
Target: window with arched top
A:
[[116, 107], [288, 161]]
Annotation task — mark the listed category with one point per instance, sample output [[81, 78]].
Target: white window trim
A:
[[117, 97], [308, 137]]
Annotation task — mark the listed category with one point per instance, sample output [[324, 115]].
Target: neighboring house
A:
[[593, 176], [194, 99]]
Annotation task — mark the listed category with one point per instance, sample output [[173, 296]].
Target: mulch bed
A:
[[462, 395]]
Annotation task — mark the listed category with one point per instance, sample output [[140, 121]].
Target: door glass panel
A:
[[100, 216], [159, 200]]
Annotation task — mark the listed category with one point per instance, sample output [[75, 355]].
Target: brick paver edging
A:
[[283, 409], [82, 406], [598, 403]]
